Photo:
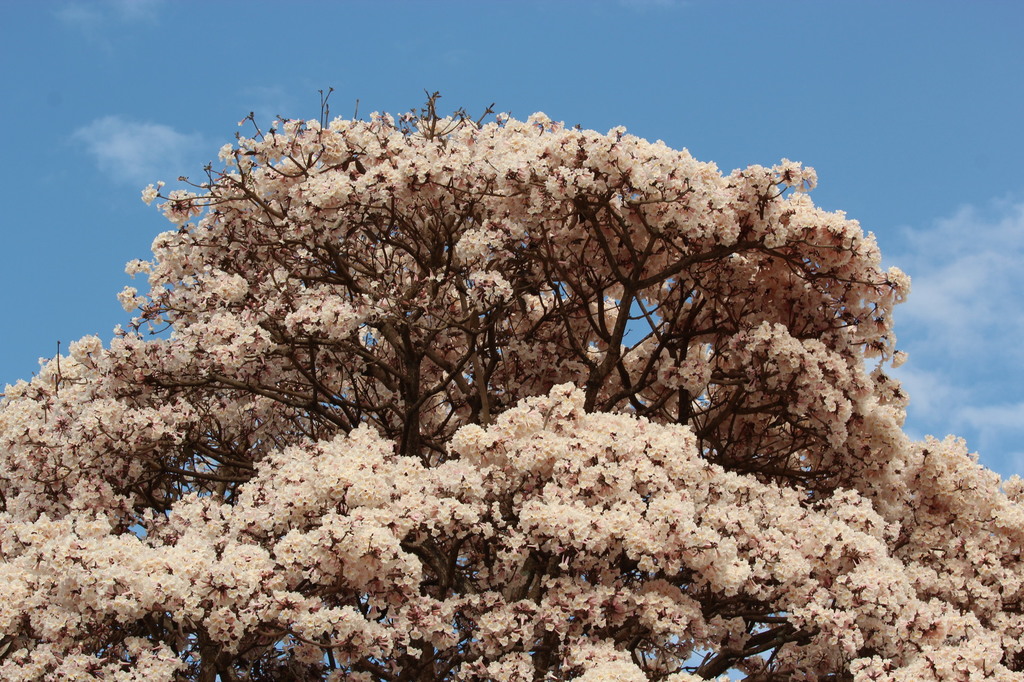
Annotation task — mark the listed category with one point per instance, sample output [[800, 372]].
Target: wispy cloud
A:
[[1004, 416], [930, 394], [137, 152], [652, 4], [999, 428], [268, 102], [967, 279], [97, 20], [136, 10], [962, 326]]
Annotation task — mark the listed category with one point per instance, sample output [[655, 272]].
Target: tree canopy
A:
[[444, 398]]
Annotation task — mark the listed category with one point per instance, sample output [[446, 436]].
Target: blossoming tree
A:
[[453, 399]]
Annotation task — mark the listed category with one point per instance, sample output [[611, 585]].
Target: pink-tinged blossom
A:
[[429, 398]]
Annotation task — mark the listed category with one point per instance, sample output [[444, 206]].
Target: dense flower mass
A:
[[443, 399]]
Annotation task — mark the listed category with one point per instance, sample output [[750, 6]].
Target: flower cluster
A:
[[435, 398]]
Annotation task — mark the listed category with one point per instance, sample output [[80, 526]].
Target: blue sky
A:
[[911, 112]]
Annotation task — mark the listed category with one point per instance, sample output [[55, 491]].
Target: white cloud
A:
[[967, 279], [136, 152], [652, 4], [998, 428], [97, 20], [1008, 416], [135, 10], [962, 326], [1015, 463], [267, 102], [930, 392]]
